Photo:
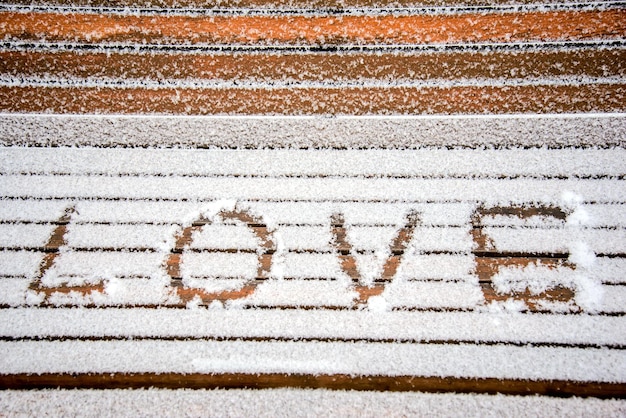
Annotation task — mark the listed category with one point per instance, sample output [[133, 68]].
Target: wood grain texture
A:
[[316, 101], [316, 67], [335, 382], [386, 29]]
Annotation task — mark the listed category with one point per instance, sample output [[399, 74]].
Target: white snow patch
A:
[[582, 255], [296, 402], [315, 357], [553, 130]]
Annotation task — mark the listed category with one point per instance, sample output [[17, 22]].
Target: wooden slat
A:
[[315, 67], [336, 382], [280, 101], [400, 29]]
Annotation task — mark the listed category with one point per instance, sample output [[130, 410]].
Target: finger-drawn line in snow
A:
[[267, 249], [490, 262], [349, 263], [53, 247]]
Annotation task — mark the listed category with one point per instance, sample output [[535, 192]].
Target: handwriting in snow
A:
[[489, 263]]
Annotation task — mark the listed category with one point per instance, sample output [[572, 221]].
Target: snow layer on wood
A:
[[241, 237], [121, 212], [19, 263], [609, 270], [24, 235], [601, 215], [295, 402], [437, 266], [235, 265], [324, 266], [312, 265], [13, 292], [120, 236], [590, 215], [302, 293], [613, 298], [491, 192], [306, 238], [136, 291], [297, 132], [300, 213], [353, 358], [403, 163], [32, 211], [423, 326], [424, 238], [589, 292], [285, 293], [604, 241], [99, 265], [224, 237], [192, 83], [432, 295]]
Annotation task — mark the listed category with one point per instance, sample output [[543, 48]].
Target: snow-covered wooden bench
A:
[[314, 268], [330, 198]]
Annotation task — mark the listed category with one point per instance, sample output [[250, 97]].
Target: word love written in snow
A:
[[488, 261]]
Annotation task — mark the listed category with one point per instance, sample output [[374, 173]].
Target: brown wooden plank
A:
[[336, 382], [533, 301], [298, 29], [314, 101], [487, 267], [273, 4], [317, 67]]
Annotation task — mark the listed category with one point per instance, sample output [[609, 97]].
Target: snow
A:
[[298, 324], [237, 265], [289, 213], [130, 205], [19, 263], [102, 264], [196, 83], [437, 266], [433, 295], [604, 241], [322, 292], [297, 293], [421, 162], [311, 265], [24, 235], [139, 291], [557, 130], [491, 191], [299, 8], [296, 402], [315, 357]]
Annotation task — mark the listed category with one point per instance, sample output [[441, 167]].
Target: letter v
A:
[[349, 263]]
